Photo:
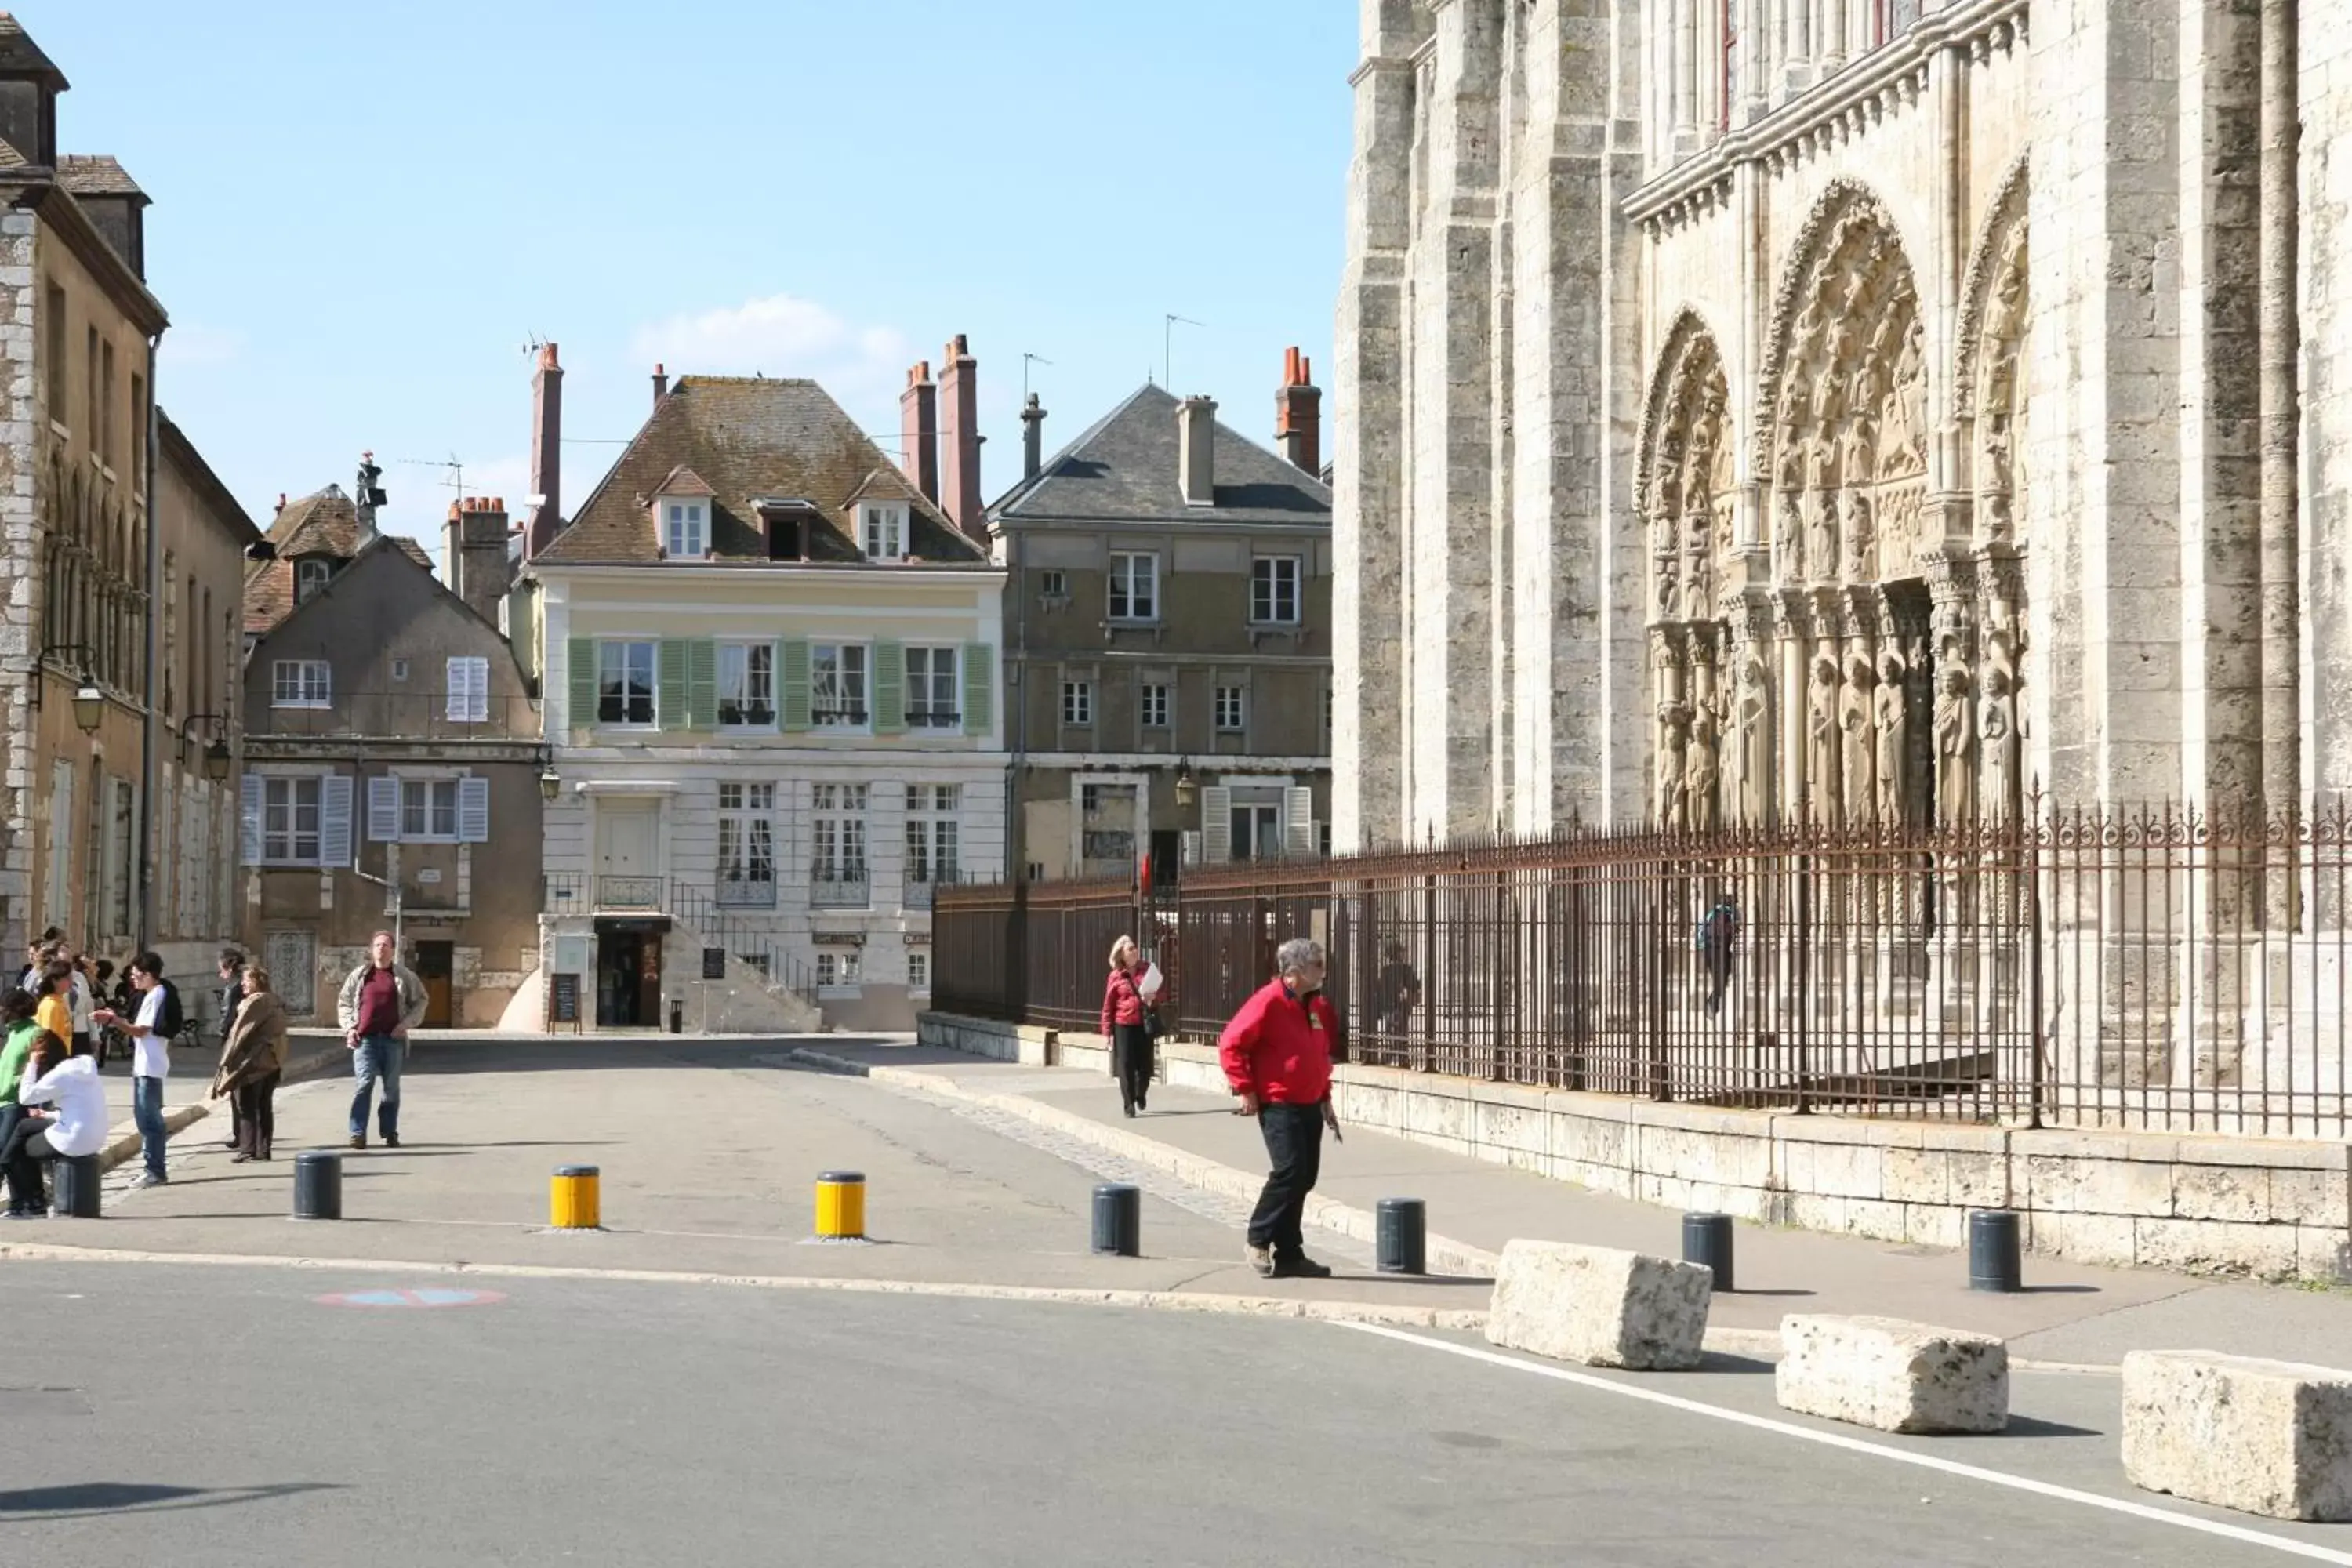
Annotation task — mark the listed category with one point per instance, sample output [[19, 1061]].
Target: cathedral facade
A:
[[1841, 411]]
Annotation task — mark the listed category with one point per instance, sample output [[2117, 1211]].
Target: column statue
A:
[[1821, 760], [1674, 745], [1955, 734], [1860, 747], [1893, 716], [1997, 720]]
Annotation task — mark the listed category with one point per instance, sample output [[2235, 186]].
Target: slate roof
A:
[[1124, 469], [751, 439], [322, 523], [96, 175], [20, 57]]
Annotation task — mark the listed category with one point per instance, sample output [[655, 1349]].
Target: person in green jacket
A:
[[18, 1033]]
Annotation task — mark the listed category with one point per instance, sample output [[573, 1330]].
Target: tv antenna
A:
[[453, 464], [1027, 359], [1168, 344]]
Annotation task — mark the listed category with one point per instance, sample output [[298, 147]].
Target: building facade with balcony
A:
[[1169, 617], [771, 672]]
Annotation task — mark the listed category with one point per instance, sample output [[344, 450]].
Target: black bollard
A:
[[1706, 1238], [77, 1193], [1402, 1235], [1119, 1220], [1995, 1256], [318, 1184]]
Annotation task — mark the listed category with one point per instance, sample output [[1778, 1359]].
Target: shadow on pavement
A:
[[2027, 1426], [86, 1499]]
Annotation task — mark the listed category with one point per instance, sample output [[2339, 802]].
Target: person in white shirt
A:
[[150, 1057], [77, 1126]]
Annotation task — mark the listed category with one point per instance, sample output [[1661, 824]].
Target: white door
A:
[[292, 959], [628, 854]]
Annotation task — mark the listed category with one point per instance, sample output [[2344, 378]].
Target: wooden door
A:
[[436, 962], [628, 854]]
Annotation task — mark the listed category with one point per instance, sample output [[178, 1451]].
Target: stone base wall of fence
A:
[[2270, 1209]]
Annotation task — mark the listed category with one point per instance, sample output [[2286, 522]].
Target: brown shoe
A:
[[359, 1140]]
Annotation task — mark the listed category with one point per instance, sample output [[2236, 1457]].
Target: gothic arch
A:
[[1988, 387]]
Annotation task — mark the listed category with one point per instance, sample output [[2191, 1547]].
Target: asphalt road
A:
[[201, 1414]]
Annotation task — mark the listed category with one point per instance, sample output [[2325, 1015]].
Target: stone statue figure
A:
[[1820, 539], [1674, 745], [1861, 563], [1853, 453], [1894, 723], [1821, 758], [1956, 735], [1662, 531], [1861, 753], [1905, 450], [1818, 475], [1997, 722], [1700, 774], [1787, 533], [1751, 712]]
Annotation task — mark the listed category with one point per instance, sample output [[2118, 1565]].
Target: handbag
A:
[[1154, 1025]]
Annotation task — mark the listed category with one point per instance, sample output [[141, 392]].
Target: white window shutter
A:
[[469, 690], [249, 819], [1298, 824], [473, 811], [1188, 848], [384, 810], [1216, 825], [335, 820]]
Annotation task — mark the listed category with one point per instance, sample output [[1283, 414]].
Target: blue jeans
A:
[[147, 1110], [378, 1056]]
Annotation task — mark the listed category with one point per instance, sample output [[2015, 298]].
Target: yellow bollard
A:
[[572, 1203], [841, 1205]]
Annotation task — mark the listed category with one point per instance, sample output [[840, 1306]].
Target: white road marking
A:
[[1860, 1445]]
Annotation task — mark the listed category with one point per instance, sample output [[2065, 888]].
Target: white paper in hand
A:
[[1153, 980]]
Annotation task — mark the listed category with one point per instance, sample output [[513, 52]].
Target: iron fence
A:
[[2148, 968]]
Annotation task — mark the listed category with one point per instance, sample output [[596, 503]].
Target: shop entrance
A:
[[629, 973]]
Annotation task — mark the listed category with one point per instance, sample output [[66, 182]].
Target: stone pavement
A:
[[2068, 1314]]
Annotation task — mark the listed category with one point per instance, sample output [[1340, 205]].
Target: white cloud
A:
[[780, 335]]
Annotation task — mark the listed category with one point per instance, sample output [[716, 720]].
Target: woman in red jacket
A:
[[1124, 1024]]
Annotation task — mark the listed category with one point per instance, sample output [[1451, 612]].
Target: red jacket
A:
[[1122, 1000], [1279, 1048]]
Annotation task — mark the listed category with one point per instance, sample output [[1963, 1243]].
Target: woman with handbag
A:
[[1130, 1024], [253, 1058]]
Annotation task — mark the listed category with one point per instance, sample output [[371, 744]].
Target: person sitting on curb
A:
[[1276, 1053], [382, 1000], [252, 1061], [76, 1128], [18, 1031]]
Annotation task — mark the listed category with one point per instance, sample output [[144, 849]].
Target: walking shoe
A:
[[149, 1179], [359, 1140], [25, 1214], [1262, 1260], [1300, 1268], [392, 1140], [239, 1158]]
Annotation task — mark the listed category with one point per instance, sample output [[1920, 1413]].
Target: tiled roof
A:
[[684, 482], [9, 157], [322, 523], [19, 56], [750, 438], [96, 175], [1125, 470]]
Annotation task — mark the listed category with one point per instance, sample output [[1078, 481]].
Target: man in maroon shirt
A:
[[381, 1002], [1276, 1053]]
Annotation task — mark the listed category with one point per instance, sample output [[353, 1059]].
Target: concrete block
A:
[[1599, 1306], [1892, 1375], [2261, 1436], [2215, 1247], [2221, 1192]]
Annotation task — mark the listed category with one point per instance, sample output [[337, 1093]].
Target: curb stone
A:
[[123, 1140]]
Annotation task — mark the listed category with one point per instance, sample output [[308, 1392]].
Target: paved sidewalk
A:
[[2069, 1312]]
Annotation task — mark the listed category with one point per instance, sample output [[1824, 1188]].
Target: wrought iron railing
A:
[[843, 889]]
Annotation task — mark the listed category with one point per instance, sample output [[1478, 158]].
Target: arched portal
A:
[[1687, 505]]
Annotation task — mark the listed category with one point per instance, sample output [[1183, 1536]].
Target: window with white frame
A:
[[1054, 584], [684, 535], [428, 811], [932, 692], [837, 684], [300, 683], [470, 690], [1078, 702], [836, 967], [1152, 705], [931, 832], [1134, 586], [1232, 708], [311, 575], [838, 835], [886, 532], [747, 844], [747, 685], [625, 682], [290, 822], [1274, 589], [919, 969]]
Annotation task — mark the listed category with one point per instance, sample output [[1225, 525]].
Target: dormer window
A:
[[311, 575], [685, 530], [884, 530]]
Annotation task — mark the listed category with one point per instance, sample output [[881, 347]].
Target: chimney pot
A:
[[918, 430], [959, 439], [1196, 450], [546, 452], [1033, 438], [282, 501], [1299, 414]]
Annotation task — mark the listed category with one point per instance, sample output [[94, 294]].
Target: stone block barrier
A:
[[1895, 1376], [1599, 1306], [2272, 1437]]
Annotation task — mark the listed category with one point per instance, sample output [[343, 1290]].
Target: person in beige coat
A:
[[253, 1059]]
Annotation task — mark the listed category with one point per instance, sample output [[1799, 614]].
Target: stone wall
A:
[[2273, 1209]]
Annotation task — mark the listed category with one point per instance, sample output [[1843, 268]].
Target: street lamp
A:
[[216, 761], [89, 697], [1186, 792], [550, 784], [216, 757]]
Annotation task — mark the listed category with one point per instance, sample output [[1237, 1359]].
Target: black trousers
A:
[[1131, 1061], [1718, 976], [28, 1146], [1294, 1149], [255, 1100]]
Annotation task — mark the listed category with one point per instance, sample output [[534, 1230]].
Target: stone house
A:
[[1169, 615], [772, 700], [394, 771]]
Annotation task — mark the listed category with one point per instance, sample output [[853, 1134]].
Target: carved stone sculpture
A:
[[1821, 755], [1700, 774], [1861, 557], [1674, 746], [1893, 725], [1859, 758], [1788, 537], [1997, 722], [1955, 737], [1820, 539]]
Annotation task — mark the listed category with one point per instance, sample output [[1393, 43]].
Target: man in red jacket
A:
[[1276, 1053]]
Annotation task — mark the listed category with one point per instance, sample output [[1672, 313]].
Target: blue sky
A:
[[358, 229]]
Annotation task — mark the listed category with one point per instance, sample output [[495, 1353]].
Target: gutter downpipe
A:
[[147, 735]]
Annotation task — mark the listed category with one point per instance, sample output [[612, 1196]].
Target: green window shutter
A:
[[889, 688], [671, 683], [702, 683], [583, 682], [979, 687], [792, 699]]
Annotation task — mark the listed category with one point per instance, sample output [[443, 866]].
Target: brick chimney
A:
[[959, 437], [474, 553], [919, 429], [1299, 414], [1033, 438], [1196, 450], [661, 384], [546, 452]]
